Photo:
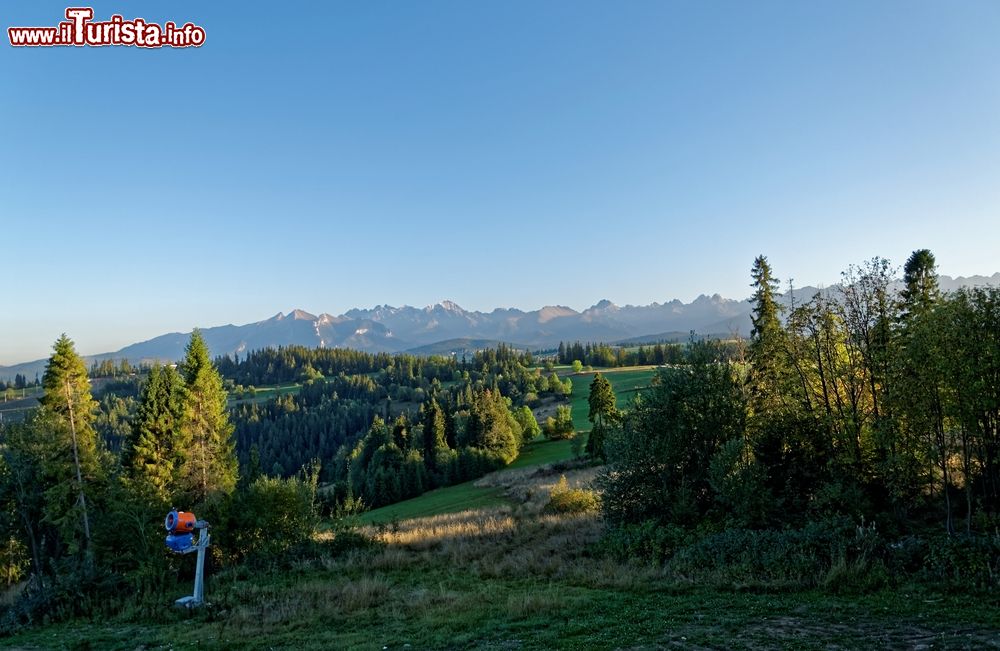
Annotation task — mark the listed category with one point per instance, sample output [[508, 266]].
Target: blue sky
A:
[[344, 154]]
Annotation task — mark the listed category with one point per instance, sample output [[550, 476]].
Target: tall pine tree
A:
[[207, 459], [434, 436], [73, 468], [603, 413], [150, 453], [769, 372]]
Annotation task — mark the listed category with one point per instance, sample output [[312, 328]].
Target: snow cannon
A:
[[180, 527], [179, 522]]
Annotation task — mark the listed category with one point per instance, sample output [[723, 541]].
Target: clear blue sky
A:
[[492, 153]]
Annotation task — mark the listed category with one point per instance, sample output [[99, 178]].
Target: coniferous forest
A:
[[851, 444]]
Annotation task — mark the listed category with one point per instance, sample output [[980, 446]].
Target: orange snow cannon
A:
[[180, 522]]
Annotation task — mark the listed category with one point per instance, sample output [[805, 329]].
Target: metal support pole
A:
[[198, 597], [199, 573]]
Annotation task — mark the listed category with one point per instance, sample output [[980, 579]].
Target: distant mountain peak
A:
[[325, 319], [451, 306], [550, 312], [301, 315]]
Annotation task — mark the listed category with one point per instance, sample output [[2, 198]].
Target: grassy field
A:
[[505, 578], [265, 393], [451, 499], [542, 451], [625, 381]]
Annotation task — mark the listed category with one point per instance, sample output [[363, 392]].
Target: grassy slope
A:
[[468, 496], [450, 499], [451, 598], [626, 382]]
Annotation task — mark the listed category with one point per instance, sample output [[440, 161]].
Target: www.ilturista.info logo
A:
[[79, 29]]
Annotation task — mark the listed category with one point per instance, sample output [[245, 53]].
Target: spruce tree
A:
[[769, 371], [920, 281], [489, 426], [920, 371], [150, 454], [603, 413], [434, 435], [207, 462], [73, 465], [602, 401]]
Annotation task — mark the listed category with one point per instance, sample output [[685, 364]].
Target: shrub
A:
[[571, 500], [560, 427], [271, 515], [649, 540], [834, 554], [964, 561]]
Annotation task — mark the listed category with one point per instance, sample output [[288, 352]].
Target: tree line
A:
[[19, 382], [877, 401], [603, 355]]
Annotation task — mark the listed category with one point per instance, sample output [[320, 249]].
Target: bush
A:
[[965, 561], [833, 554], [560, 427], [649, 540], [571, 500], [271, 515]]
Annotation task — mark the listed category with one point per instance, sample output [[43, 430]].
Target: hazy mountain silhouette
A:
[[446, 327]]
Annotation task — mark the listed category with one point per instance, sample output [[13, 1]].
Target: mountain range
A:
[[446, 328]]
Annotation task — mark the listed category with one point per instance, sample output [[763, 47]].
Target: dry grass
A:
[[447, 529], [532, 487], [265, 606], [509, 542]]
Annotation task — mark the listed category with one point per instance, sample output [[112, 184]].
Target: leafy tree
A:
[[577, 366], [971, 368], [207, 464], [529, 425], [560, 427], [659, 459]]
